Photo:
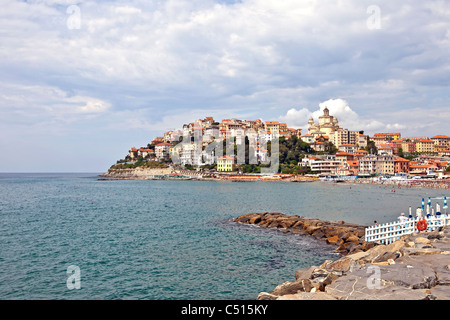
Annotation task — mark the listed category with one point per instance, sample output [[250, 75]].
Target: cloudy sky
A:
[[83, 81]]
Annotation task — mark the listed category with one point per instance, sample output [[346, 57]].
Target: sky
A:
[[81, 82]]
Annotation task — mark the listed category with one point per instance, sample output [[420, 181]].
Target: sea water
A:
[[147, 239]]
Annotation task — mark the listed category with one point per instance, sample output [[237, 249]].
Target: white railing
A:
[[389, 232]]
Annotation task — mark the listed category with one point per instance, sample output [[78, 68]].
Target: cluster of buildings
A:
[[193, 145], [362, 164]]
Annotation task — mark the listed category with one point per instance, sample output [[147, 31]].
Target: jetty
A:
[[414, 267]]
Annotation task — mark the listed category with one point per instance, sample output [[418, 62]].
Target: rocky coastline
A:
[[416, 267], [135, 173]]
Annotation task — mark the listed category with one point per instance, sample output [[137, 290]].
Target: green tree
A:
[[371, 148]]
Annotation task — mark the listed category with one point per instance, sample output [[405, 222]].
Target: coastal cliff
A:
[[416, 267]]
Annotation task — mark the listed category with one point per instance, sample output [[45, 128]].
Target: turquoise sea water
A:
[[168, 239]]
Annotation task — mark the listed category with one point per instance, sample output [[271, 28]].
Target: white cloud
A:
[[340, 109], [36, 104]]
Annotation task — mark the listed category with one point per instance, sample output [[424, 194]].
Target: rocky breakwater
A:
[[347, 237], [415, 267]]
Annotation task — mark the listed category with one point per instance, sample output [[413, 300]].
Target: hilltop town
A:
[[326, 149]]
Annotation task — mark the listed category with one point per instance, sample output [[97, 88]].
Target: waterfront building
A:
[[425, 146], [367, 165], [385, 150], [132, 153], [362, 141], [401, 165], [323, 165], [283, 129], [408, 146], [272, 127], [226, 163], [385, 165], [387, 136], [441, 140], [343, 157], [162, 151], [348, 147], [445, 153], [353, 167], [318, 146], [144, 152], [360, 153], [308, 138], [345, 136]]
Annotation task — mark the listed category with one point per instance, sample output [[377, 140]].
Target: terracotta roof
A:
[[226, 158], [164, 144], [440, 137]]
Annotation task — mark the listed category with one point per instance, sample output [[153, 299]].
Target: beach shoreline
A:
[[171, 174]]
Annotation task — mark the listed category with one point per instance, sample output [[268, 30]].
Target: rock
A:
[[328, 280], [422, 240], [418, 276], [352, 238], [292, 287], [318, 234], [266, 296], [387, 256], [367, 245], [304, 273], [439, 263], [420, 251], [307, 296], [333, 239], [340, 266], [440, 293], [319, 274], [358, 256], [254, 220], [410, 244]]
